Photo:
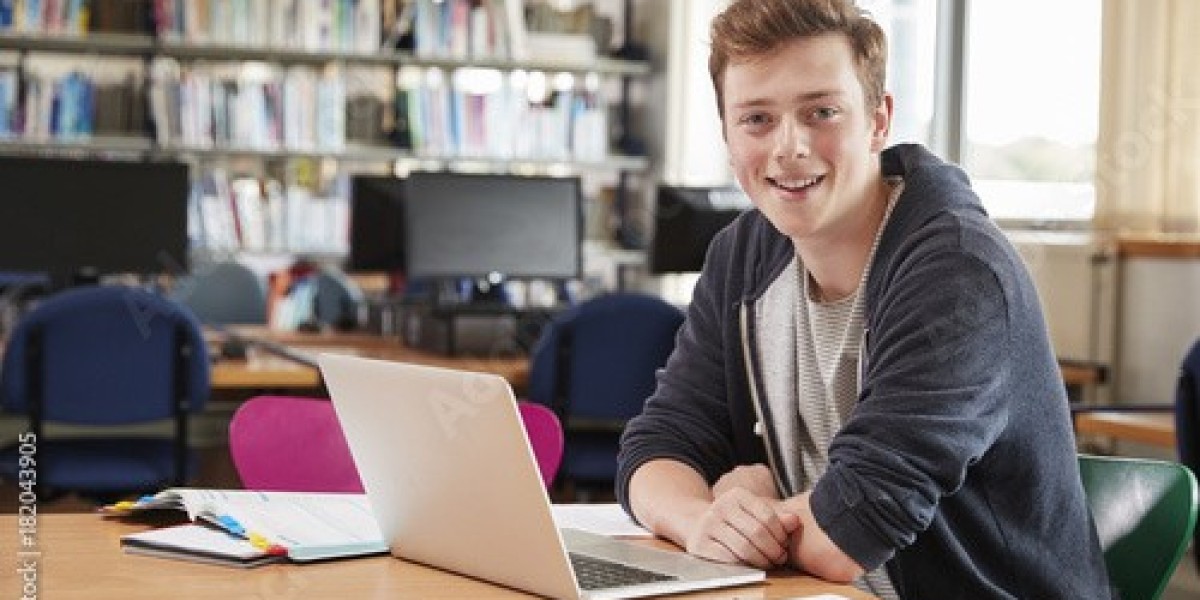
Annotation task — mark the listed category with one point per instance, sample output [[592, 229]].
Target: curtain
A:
[[1148, 148]]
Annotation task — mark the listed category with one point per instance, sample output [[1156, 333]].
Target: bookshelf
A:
[[174, 44]]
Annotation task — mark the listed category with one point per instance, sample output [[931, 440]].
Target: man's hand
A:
[[742, 527], [812, 551]]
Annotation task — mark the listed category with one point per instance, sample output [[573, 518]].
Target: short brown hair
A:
[[756, 27]]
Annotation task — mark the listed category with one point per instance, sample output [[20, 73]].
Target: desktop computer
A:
[[472, 331]]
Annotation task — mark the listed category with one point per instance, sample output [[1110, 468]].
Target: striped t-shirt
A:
[[811, 374]]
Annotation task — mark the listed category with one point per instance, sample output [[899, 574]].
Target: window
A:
[[911, 27], [1025, 93], [1031, 108]]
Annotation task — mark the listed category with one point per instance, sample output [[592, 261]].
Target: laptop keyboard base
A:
[[597, 574]]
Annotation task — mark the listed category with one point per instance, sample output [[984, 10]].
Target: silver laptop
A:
[[454, 484]]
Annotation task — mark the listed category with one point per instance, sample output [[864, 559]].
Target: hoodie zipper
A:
[[762, 426]]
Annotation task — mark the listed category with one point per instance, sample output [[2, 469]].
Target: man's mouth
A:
[[795, 185]]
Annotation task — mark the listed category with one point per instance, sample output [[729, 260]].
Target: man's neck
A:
[[836, 262]]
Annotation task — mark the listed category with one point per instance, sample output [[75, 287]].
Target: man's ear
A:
[[881, 123]]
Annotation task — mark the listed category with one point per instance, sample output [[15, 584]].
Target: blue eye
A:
[[825, 113]]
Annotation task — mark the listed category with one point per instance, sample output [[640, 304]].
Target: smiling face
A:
[[803, 143]]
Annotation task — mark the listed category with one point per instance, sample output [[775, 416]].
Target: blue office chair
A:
[[105, 356], [1187, 417], [595, 365], [225, 293]]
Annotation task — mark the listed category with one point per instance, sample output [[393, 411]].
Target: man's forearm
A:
[[668, 497]]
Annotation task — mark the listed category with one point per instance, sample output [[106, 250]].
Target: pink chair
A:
[[288, 443], [545, 435], [291, 444]]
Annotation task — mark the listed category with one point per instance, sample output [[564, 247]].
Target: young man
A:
[[864, 387]]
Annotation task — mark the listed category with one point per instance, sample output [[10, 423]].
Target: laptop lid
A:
[[449, 472], [452, 479]]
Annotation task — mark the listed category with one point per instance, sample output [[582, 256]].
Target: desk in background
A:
[[1155, 429], [262, 370], [79, 556]]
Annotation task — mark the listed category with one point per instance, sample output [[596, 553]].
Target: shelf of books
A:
[[440, 84]]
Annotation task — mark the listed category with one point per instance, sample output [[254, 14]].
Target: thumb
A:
[[789, 520]]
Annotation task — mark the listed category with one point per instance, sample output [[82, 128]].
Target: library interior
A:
[[203, 200]]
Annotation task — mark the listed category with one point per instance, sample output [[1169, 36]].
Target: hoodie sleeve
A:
[[934, 399], [687, 417]]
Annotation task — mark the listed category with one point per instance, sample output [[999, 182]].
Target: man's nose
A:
[[791, 140]]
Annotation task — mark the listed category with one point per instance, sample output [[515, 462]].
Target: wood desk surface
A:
[[79, 556], [1156, 429], [264, 370]]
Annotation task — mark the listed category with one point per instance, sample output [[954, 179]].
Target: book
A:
[[197, 543], [295, 526]]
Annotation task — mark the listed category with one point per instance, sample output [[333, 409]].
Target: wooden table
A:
[[1155, 429], [79, 556], [262, 370]]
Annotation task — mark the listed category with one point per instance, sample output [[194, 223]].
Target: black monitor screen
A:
[[376, 224], [685, 221], [460, 225], [65, 217]]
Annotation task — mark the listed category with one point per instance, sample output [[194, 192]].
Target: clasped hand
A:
[[747, 522]]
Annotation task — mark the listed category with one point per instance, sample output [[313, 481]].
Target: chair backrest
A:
[[225, 293], [105, 355], [1187, 409], [291, 444], [614, 345], [1145, 514], [595, 365], [545, 436], [1187, 418], [296, 444]]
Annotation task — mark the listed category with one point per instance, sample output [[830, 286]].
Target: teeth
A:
[[800, 183]]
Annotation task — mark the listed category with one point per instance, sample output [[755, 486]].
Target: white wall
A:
[[1137, 315], [1159, 318]]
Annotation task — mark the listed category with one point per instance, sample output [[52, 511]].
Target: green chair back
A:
[[1145, 513]]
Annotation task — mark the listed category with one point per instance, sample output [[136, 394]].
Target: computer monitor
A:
[[685, 221], [376, 224], [68, 218], [468, 225]]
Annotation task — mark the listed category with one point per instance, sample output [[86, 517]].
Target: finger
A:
[[762, 528], [705, 546], [748, 536], [770, 518], [740, 547]]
